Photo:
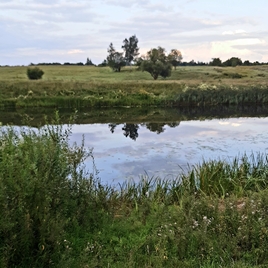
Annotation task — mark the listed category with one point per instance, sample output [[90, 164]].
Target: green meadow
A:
[[84, 86]]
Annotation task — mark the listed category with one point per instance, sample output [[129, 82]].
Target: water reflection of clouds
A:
[[230, 124], [118, 157]]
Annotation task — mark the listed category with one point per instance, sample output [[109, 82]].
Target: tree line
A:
[[157, 62]]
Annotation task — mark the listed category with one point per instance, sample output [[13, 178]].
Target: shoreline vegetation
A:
[[56, 214], [87, 86], [35, 116]]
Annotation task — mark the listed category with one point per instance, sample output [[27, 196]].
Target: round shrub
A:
[[34, 73]]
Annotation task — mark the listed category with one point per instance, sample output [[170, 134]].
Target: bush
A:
[[43, 194], [34, 73]]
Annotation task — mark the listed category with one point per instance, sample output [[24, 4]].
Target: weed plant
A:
[[55, 214]]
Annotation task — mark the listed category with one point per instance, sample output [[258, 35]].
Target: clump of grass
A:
[[220, 178]]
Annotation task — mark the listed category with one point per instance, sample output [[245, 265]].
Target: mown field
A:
[[83, 86]]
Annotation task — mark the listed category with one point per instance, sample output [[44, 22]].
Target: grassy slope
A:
[[92, 86], [188, 75]]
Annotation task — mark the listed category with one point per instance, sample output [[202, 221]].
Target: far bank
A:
[[84, 87]]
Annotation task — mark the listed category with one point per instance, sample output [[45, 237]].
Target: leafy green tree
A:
[[174, 57], [156, 63], [215, 62], [234, 61], [247, 63], [115, 59], [131, 48], [89, 62]]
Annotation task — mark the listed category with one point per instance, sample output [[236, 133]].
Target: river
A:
[[128, 149]]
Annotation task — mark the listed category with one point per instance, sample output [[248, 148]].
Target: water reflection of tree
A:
[[112, 127], [131, 130], [155, 127], [159, 127]]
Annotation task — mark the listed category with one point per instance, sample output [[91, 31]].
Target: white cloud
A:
[[75, 51], [236, 32], [231, 48]]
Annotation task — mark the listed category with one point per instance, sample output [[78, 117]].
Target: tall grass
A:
[[55, 214]]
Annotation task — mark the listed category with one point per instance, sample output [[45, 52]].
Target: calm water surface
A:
[[134, 150]]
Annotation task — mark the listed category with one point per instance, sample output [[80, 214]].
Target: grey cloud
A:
[[66, 15]]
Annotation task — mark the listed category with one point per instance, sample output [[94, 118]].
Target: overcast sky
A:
[[72, 30]]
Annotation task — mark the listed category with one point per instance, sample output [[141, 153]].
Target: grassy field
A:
[[188, 75], [83, 86], [55, 214]]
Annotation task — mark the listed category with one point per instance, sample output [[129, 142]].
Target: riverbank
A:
[[84, 87], [56, 214], [131, 115]]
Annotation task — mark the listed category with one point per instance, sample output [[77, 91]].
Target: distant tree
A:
[[103, 64], [115, 59], [215, 62], [247, 63], [174, 57], [131, 48], [192, 63], [156, 63], [34, 73], [89, 62], [234, 61]]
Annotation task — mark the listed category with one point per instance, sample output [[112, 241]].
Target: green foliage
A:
[[89, 62], [156, 63], [34, 73], [131, 48], [234, 61], [216, 62], [115, 60], [156, 69], [222, 178], [44, 193], [174, 57]]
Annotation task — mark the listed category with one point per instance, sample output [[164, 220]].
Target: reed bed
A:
[[172, 95], [54, 213]]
